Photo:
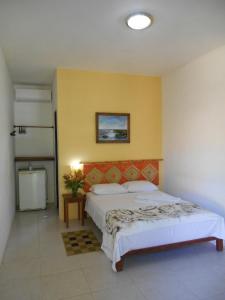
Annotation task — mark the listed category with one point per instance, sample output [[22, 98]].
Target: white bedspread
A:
[[148, 234]]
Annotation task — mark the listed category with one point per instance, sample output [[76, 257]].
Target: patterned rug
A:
[[77, 242]]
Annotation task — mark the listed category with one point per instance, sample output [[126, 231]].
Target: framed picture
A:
[[112, 128]]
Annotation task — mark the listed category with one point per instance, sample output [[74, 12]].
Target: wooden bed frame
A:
[[120, 264], [123, 167]]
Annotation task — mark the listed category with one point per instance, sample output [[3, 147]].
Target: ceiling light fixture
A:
[[139, 21]]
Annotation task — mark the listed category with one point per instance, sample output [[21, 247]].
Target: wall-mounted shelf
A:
[[34, 158]]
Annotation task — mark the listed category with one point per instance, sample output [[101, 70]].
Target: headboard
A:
[[120, 171]]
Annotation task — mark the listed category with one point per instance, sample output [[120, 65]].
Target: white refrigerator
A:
[[32, 189]]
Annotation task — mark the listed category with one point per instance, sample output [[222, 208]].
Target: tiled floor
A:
[[35, 267]]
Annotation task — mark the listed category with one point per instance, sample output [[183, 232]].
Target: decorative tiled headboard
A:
[[120, 171]]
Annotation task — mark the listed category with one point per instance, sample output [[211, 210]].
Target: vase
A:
[[74, 192]]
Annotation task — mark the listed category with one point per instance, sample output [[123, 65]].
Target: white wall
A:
[[7, 200], [194, 131], [36, 141]]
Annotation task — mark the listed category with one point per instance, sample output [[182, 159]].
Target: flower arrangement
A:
[[74, 180]]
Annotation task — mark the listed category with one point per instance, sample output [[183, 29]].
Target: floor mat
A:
[[77, 242]]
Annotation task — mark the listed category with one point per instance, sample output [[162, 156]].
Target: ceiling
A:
[[37, 36]]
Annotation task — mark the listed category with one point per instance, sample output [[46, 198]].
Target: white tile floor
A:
[[35, 267]]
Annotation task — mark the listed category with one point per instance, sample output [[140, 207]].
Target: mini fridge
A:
[[32, 189]]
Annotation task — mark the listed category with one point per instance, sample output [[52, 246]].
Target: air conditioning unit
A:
[[32, 94]]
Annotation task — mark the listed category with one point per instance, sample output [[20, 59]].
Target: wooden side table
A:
[[83, 214], [67, 199]]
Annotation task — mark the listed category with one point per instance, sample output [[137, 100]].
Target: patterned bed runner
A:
[[118, 219]]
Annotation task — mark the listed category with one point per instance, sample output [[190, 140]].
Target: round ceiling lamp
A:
[[139, 21]]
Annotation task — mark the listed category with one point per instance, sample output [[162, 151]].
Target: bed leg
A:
[[119, 265], [219, 244]]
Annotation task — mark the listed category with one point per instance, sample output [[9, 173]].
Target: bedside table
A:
[[80, 200]]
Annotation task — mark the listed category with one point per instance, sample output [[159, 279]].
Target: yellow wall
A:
[[80, 94]]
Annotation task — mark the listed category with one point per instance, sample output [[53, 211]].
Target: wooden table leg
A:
[[78, 204], [82, 211], [64, 203], [67, 214]]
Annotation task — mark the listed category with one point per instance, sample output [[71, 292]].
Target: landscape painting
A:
[[112, 128]]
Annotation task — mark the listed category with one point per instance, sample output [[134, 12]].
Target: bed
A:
[[144, 236]]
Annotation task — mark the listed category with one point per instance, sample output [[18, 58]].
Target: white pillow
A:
[[139, 186], [107, 189]]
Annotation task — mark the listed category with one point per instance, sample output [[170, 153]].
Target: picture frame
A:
[[112, 127]]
